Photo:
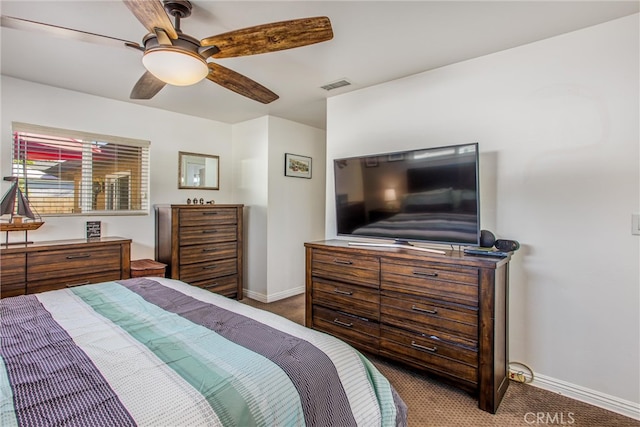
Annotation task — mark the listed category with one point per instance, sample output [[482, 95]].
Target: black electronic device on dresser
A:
[[423, 195], [444, 314]]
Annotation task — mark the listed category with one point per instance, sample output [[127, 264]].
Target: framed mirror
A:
[[198, 171]]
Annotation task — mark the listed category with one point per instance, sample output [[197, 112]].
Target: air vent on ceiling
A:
[[336, 85]]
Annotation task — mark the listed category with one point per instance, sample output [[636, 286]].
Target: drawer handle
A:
[[209, 213], [78, 256], [425, 273], [425, 348], [73, 285], [346, 325], [209, 231], [210, 267], [424, 310], [338, 291], [213, 285], [343, 262], [209, 249]]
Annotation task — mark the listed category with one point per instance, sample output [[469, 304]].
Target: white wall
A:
[[168, 132], [557, 123], [250, 152], [289, 211], [281, 212], [296, 205]]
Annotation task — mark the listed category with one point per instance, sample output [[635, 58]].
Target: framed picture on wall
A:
[[297, 166]]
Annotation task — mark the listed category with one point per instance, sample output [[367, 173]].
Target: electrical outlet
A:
[[517, 376]]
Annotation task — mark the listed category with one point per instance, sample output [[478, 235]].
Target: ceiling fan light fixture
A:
[[175, 66]]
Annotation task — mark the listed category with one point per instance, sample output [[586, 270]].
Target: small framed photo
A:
[[297, 166], [93, 230], [396, 157]]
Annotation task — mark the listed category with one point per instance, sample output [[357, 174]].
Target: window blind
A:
[[66, 172]]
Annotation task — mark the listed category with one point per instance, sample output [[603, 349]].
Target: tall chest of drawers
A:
[[442, 314], [202, 245], [56, 264]]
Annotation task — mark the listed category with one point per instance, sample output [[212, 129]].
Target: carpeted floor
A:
[[434, 404]]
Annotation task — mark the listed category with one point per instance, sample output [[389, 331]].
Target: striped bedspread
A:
[[158, 352]]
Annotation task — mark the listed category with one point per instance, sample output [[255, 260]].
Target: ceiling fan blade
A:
[[238, 83], [271, 37], [146, 87], [67, 33], [152, 15]]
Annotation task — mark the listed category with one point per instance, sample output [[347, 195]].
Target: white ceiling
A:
[[374, 42]]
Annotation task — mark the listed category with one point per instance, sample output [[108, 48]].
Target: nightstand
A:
[[147, 268]]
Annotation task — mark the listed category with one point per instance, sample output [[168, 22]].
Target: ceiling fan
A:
[[173, 57]]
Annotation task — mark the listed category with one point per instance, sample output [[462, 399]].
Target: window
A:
[[64, 172]]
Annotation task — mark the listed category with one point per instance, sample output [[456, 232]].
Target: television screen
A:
[[427, 195]]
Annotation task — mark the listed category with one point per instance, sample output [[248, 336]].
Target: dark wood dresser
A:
[[56, 264], [443, 314], [202, 245]]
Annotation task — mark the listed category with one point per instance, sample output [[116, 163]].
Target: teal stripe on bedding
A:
[[382, 388], [193, 351], [7, 410]]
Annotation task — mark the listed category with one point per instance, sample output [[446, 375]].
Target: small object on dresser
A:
[[201, 201], [487, 239], [147, 268], [188, 201], [93, 229], [507, 245], [486, 252]]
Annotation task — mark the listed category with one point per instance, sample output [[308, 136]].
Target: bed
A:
[[159, 352]]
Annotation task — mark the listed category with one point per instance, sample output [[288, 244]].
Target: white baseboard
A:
[[273, 297], [592, 397]]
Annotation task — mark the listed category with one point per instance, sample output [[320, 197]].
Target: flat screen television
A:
[[428, 195]]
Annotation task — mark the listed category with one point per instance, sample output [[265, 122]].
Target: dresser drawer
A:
[[12, 290], [13, 275], [192, 273], [207, 252], [207, 234], [61, 282], [427, 352], [355, 330], [358, 300], [12, 269], [76, 262], [227, 285], [443, 282], [356, 269], [457, 323], [207, 217]]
